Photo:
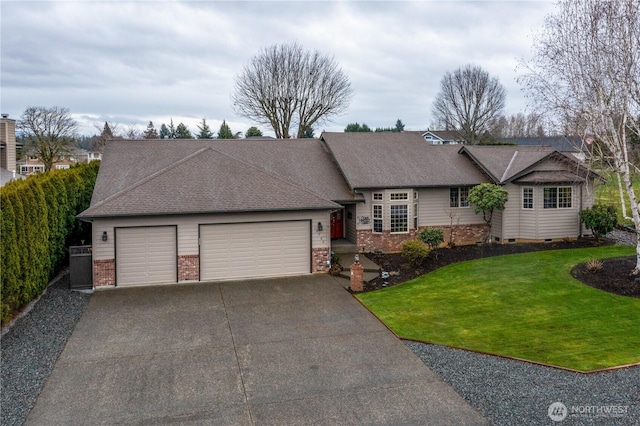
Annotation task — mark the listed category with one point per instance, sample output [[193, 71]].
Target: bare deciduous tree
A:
[[49, 133], [286, 86], [587, 66], [469, 100], [519, 126]]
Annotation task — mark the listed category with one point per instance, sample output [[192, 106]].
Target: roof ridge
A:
[[151, 177], [513, 158], [271, 174]]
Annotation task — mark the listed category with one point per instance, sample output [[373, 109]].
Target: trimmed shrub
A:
[[37, 222], [432, 237], [600, 219], [416, 251]]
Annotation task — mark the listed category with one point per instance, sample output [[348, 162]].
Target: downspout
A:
[[580, 211]]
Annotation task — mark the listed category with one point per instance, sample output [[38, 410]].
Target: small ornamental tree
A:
[[600, 219], [432, 237], [487, 198]]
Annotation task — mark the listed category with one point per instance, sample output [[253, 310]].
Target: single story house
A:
[[167, 211]]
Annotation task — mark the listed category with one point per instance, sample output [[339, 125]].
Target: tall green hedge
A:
[[37, 221]]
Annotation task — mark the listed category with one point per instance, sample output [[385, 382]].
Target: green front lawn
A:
[[525, 306], [609, 193]]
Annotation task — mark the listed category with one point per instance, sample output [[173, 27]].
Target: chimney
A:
[[5, 115]]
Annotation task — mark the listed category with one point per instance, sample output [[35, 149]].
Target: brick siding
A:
[[189, 267], [392, 243], [320, 259], [104, 272]]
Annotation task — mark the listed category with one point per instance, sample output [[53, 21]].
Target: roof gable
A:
[[201, 181], [508, 163], [403, 159]]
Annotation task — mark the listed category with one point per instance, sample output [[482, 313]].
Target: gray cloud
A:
[[139, 61]]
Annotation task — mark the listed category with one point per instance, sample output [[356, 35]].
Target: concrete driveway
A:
[[265, 352]]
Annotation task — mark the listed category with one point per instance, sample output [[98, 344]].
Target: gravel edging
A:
[[511, 392], [31, 346]]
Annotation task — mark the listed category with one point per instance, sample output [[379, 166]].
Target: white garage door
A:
[[247, 250], [146, 255]]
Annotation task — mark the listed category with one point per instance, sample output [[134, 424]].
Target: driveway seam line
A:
[[235, 350]]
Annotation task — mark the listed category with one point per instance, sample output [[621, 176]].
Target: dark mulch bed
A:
[[401, 270], [614, 277]]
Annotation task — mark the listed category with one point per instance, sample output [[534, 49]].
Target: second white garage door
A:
[[146, 255], [252, 250]]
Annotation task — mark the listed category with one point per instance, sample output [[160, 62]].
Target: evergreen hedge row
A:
[[37, 221]]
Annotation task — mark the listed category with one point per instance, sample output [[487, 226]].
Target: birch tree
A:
[[586, 66]]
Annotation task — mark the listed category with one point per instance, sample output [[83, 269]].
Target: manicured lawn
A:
[[524, 305], [608, 193]]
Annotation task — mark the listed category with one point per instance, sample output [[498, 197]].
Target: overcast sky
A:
[[129, 62]]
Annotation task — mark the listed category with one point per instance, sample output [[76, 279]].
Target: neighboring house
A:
[[7, 143], [7, 176], [570, 145], [443, 137], [198, 210], [30, 164]]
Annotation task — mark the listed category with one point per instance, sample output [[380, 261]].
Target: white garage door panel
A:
[[242, 250], [146, 255]]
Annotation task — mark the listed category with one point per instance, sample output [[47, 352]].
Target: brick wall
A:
[[466, 234], [320, 259], [390, 243], [104, 272], [189, 267]]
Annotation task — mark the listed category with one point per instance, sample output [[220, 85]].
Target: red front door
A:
[[336, 224]]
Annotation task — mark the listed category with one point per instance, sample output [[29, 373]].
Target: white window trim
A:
[[406, 206], [459, 188], [533, 200], [557, 206], [404, 196], [374, 218], [380, 196]]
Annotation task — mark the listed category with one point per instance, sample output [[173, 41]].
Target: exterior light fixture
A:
[[104, 236], [356, 258], [319, 228]]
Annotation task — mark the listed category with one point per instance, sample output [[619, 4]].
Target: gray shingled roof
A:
[[154, 177], [559, 143], [506, 163], [404, 159]]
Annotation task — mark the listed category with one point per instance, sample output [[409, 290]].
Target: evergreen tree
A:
[[252, 131], [308, 133], [399, 126], [225, 132], [182, 132], [355, 127], [172, 130], [151, 132], [164, 132], [205, 131]]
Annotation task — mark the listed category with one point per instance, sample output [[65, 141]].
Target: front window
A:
[[550, 198], [377, 196], [399, 218], [564, 198], [415, 216], [558, 198], [377, 218], [527, 198], [459, 197], [399, 196]]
